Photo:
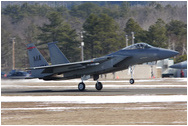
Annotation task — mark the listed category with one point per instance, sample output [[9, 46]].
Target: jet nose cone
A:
[[181, 65], [165, 53], [173, 53], [175, 66]]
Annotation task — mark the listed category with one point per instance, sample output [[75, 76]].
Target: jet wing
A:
[[67, 67]]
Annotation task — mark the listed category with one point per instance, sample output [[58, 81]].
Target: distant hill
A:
[[69, 4]]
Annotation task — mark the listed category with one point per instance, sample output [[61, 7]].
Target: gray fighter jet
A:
[[181, 65], [61, 68]]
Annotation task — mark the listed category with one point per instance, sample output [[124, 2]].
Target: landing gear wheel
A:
[[131, 81], [81, 86], [98, 86]]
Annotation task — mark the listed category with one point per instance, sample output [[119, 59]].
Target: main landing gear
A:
[[98, 85]]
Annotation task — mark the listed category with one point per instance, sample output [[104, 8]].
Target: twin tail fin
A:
[[56, 56], [35, 57]]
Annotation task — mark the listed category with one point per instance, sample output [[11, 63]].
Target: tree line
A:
[[103, 29]]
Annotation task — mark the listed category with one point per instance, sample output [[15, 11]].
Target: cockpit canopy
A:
[[138, 46]]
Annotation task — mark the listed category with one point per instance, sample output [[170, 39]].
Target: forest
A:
[[102, 26]]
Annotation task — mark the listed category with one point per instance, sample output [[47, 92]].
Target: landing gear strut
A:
[[131, 80]]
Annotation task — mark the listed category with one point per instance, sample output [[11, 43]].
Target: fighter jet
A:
[[61, 68], [181, 65]]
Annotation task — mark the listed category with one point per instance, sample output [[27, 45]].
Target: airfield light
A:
[[126, 36], [82, 51], [82, 43], [82, 46], [81, 35]]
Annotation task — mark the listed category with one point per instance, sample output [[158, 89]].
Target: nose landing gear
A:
[[131, 80]]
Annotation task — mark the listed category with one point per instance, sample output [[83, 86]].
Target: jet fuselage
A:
[[122, 59]]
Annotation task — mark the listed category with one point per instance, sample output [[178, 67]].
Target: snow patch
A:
[[95, 99]]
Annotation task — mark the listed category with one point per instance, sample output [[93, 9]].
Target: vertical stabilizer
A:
[[56, 56], [35, 57]]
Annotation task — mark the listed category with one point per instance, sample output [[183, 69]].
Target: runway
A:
[[93, 92], [147, 102]]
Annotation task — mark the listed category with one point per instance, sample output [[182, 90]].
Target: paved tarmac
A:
[[106, 92], [36, 102]]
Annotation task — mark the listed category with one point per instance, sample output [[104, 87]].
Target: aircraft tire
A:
[[131, 81], [98, 86], [81, 86]]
